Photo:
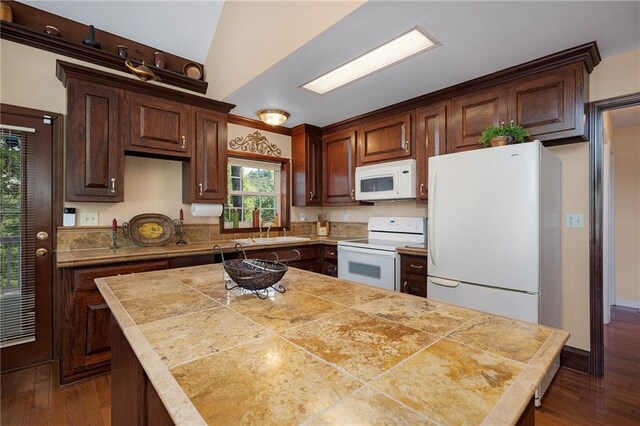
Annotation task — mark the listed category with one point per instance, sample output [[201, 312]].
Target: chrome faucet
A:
[[262, 222]]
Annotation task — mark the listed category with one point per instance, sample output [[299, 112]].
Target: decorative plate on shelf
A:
[[150, 229]]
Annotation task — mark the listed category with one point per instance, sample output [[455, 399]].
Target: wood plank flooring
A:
[[33, 396]]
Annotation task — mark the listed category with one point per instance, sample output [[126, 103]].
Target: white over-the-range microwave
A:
[[386, 181]]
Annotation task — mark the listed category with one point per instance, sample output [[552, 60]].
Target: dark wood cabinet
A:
[[204, 178], [330, 261], [94, 158], [549, 106], [470, 114], [413, 275], [306, 164], [158, 127], [385, 139], [339, 166], [86, 338], [431, 139], [546, 105]]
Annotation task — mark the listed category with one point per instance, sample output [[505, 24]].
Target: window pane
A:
[[267, 202]]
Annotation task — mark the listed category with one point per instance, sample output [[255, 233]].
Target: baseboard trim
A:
[[575, 359], [628, 303]]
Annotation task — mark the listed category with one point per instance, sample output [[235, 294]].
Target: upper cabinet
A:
[[385, 139], [204, 178], [339, 166], [306, 154], [158, 126], [431, 139], [94, 157], [109, 115], [549, 106]]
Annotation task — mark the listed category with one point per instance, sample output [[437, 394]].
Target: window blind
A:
[[17, 246]]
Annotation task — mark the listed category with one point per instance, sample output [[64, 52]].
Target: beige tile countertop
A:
[[75, 258], [326, 351]]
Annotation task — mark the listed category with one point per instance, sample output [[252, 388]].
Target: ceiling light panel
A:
[[400, 48]]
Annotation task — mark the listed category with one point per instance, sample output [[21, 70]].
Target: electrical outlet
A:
[[345, 216], [303, 217], [88, 219], [574, 220]]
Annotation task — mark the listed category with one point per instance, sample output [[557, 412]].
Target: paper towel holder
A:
[[208, 210]]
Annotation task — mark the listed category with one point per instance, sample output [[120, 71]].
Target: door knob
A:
[[42, 235], [41, 252]]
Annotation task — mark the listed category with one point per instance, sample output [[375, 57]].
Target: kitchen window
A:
[[255, 184]]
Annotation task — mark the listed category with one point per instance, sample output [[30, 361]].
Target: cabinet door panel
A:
[[545, 104], [431, 139], [159, 127], [95, 162], [471, 114], [338, 159], [385, 139], [98, 337], [306, 164]]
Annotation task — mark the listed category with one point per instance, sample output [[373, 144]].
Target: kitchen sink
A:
[[270, 240]]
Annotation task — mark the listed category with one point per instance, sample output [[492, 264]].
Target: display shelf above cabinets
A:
[[306, 163]]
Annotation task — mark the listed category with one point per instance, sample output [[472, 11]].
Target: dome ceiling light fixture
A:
[[273, 117]]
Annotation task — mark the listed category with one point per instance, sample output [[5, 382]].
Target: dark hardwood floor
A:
[[33, 396], [578, 399]]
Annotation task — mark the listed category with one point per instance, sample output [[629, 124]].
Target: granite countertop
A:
[[327, 351], [76, 258]]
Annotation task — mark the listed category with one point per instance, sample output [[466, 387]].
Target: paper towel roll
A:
[[212, 210]]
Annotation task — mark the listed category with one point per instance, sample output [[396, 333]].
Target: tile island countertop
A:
[[327, 351]]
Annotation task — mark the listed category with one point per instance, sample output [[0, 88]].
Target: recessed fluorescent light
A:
[[400, 48]]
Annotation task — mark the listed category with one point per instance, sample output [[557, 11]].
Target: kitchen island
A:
[[327, 351]]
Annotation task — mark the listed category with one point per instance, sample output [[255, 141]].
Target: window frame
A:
[[285, 193]]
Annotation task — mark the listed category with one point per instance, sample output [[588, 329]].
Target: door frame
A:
[[596, 205], [57, 138]]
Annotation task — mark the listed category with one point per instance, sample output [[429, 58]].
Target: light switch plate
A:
[[88, 219], [303, 217], [345, 216], [574, 220]]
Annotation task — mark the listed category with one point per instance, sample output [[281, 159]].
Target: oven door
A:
[[377, 268]]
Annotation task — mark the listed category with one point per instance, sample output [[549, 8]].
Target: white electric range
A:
[[375, 260]]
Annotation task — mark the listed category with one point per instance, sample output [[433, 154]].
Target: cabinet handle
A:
[[422, 189], [310, 195], [184, 141], [331, 253], [416, 266], [353, 194], [113, 185], [200, 189], [335, 271], [404, 287]]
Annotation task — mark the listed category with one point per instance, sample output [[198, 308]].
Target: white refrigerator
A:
[[494, 232]]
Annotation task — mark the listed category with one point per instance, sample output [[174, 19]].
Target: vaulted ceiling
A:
[[258, 53]]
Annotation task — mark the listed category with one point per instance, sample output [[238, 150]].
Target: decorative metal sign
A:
[[255, 142]]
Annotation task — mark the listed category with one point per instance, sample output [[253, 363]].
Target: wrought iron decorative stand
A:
[[114, 240], [180, 232]]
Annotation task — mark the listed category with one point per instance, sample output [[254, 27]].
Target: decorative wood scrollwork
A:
[[255, 142]]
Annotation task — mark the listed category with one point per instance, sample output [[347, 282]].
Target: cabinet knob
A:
[[184, 141], [422, 189], [200, 189], [353, 194], [113, 185], [41, 252]]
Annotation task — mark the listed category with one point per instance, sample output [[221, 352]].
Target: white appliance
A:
[[395, 180], [375, 261], [494, 233]]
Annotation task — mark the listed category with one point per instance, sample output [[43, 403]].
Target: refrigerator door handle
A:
[[444, 282], [431, 206]]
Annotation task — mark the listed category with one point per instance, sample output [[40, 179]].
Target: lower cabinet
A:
[[413, 275], [330, 261]]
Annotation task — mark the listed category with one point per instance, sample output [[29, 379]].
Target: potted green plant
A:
[[505, 134]]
